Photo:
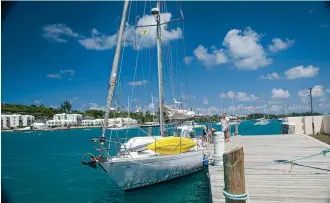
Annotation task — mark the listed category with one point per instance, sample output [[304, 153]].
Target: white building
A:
[[62, 123], [74, 117], [95, 122], [27, 120], [39, 126], [111, 122], [64, 119], [63, 116], [15, 120]]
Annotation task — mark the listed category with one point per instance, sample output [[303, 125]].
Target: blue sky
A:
[[255, 52]]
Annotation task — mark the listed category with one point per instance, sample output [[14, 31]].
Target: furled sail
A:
[[171, 145], [179, 114]]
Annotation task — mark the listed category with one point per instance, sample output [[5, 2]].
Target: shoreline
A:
[[51, 129]]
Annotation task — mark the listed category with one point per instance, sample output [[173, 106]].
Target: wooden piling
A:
[[234, 176]]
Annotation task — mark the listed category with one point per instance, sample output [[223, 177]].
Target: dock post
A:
[[149, 131], [219, 148], [236, 129], [234, 175]]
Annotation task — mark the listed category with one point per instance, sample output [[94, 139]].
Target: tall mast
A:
[[232, 101], [221, 108], [160, 72], [113, 76], [128, 107], [121, 97], [153, 107]]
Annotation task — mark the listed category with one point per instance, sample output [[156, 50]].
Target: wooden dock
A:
[[308, 182]]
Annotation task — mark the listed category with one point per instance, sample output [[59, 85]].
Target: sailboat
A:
[[144, 161], [285, 119], [263, 121]]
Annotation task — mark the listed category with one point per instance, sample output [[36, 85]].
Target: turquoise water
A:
[[41, 167]]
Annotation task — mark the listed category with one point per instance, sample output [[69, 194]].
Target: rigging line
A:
[[184, 56], [137, 56], [172, 70], [149, 73], [123, 48], [170, 73]]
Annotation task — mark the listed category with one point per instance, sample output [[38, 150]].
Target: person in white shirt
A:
[[225, 126]]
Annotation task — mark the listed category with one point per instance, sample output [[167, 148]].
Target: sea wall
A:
[[303, 124]]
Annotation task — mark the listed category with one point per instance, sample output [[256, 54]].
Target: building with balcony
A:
[[16, 120]]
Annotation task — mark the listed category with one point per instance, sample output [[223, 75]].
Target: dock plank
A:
[[269, 181]]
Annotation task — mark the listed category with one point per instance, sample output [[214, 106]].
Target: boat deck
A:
[[309, 180]]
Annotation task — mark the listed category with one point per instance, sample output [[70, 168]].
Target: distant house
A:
[[64, 119], [39, 126], [16, 120]]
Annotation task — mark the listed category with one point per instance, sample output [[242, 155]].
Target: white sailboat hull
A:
[[263, 122], [140, 172]]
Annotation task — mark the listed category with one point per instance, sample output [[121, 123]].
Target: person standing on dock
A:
[[225, 126]]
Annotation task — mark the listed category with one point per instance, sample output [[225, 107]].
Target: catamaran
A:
[[143, 161]]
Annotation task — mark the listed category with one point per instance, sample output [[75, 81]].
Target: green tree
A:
[[66, 106]]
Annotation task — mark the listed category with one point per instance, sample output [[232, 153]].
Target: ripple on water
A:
[[52, 172]]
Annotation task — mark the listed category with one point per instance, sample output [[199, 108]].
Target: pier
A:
[[268, 179]]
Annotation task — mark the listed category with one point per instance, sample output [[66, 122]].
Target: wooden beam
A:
[[234, 176]]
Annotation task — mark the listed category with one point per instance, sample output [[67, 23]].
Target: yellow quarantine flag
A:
[[144, 32]]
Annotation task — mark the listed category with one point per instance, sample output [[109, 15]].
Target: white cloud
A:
[[210, 59], [62, 74], [324, 105], [75, 97], [271, 76], [95, 106], [275, 108], [57, 31], [328, 91], [55, 76], [152, 107], [137, 83], [213, 110], [240, 96], [299, 108], [132, 37], [36, 101], [245, 49], [275, 101], [301, 72], [323, 99], [188, 60], [317, 91], [205, 100], [294, 107], [279, 45], [280, 94], [244, 97], [135, 39], [99, 41], [71, 72], [229, 95]]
